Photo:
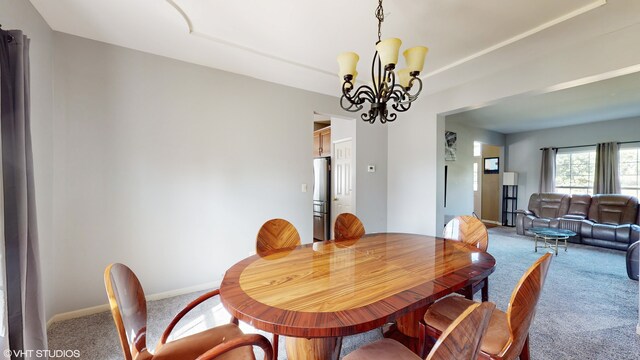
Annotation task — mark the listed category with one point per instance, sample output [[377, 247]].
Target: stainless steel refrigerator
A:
[[321, 198]]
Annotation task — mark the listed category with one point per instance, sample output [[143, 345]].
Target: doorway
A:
[[334, 143], [487, 170]]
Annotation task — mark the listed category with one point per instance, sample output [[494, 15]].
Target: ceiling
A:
[[614, 98], [295, 43]]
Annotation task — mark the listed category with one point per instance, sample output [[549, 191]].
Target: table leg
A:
[[556, 246], [406, 330], [536, 242], [313, 349]]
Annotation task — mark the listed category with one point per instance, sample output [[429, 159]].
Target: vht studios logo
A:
[[51, 354]]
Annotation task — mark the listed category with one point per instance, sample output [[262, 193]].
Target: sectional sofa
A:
[[610, 221]]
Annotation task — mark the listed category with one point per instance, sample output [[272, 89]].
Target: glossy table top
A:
[[342, 288]]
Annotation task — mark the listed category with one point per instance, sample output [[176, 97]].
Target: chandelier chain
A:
[[380, 17]]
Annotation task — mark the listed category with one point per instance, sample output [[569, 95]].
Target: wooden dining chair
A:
[[276, 234], [348, 227], [472, 231], [129, 310], [508, 333], [460, 340]]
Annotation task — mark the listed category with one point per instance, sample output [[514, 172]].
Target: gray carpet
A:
[[588, 309]]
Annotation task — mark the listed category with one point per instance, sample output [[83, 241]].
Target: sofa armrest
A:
[[524, 212], [635, 234]]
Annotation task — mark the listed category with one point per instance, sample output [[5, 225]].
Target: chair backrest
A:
[[276, 234], [469, 230], [522, 306], [461, 340], [613, 209], [348, 227], [128, 307], [549, 205]]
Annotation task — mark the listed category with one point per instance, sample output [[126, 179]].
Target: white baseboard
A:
[[105, 307]]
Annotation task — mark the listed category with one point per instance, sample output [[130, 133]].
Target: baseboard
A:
[[153, 297]]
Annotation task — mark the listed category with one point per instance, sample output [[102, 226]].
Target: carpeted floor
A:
[[588, 309]]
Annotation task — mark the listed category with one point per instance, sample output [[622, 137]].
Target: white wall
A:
[[172, 168], [602, 40], [524, 153], [21, 15]]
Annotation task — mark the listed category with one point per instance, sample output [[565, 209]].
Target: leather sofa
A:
[[632, 261], [610, 221]]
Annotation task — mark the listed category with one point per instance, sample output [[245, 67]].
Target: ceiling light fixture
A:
[[384, 87]]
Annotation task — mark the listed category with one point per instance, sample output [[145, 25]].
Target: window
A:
[[477, 148], [629, 173], [475, 176], [575, 170]]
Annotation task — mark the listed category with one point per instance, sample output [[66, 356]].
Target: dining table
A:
[[314, 294]]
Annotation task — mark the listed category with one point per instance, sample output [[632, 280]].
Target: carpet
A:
[[588, 308]]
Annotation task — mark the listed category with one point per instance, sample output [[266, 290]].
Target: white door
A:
[[342, 180]]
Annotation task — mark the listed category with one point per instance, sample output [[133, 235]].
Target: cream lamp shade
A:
[[353, 80], [388, 51], [415, 58], [347, 62], [404, 78], [510, 178]]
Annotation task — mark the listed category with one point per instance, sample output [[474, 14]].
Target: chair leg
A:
[[275, 346], [524, 354], [422, 335], [468, 292], [485, 290]]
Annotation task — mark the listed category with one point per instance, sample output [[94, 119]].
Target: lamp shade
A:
[[510, 178], [415, 58], [388, 51], [347, 62], [353, 80], [404, 78]]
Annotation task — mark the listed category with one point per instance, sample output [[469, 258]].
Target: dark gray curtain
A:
[[548, 170], [26, 325], [607, 180]]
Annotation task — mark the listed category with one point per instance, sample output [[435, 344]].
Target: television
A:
[[491, 165]]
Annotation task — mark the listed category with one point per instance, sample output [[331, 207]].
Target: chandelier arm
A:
[[364, 92], [352, 107]]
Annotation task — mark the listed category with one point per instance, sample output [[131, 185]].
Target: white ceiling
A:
[[614, 98], [294, 42]]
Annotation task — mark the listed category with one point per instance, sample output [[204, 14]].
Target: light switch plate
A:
[[304, 188]]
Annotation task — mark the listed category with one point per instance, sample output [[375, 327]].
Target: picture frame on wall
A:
[[491, 165], [450, 146]]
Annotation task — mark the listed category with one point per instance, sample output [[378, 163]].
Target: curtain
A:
[[25, 319], [548, 170], [607, 180]]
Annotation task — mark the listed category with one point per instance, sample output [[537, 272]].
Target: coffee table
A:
[[551, 234]]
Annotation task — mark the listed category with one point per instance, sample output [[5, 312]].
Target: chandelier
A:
[[385, 87]]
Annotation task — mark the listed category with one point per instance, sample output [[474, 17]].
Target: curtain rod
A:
[[579, 146]]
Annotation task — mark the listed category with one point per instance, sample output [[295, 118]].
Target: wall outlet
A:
[[371, 168]]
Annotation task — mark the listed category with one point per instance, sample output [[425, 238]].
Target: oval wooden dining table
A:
[[316, 293]]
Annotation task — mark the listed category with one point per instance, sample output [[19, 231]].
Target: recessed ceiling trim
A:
[[183, 14], [577, 12], [194, 32]]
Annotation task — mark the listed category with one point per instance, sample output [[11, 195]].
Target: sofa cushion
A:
[[613, 209]]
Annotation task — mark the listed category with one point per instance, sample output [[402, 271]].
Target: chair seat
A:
[[192, 346], [383, 349], [442, 313]]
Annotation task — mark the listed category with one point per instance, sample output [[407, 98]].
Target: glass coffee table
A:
[[551, 234]]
